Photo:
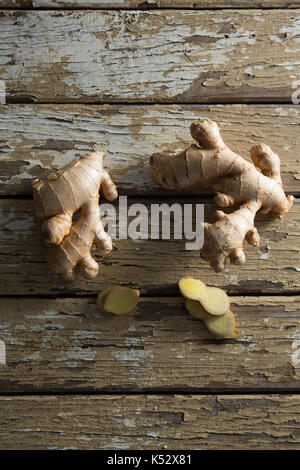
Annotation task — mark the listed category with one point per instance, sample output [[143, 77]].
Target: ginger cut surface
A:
[[102, 297], [121, 300], [57, 198], [220, 326], [214, 300]]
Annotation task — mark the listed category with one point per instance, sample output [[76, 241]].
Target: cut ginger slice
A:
[[213, 299], [102, 297], [222, 326], [120, 300]]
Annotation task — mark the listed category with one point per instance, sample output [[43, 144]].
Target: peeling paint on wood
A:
[[157, 267], [150, 4], [88, 56], [66, 344], [36, 138], [158, 422]]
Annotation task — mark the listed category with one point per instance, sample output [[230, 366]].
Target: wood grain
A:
[[155, 266], [65, 344], [150, 422], [59, 345], [153, 56], [149, 4], [37, 138]]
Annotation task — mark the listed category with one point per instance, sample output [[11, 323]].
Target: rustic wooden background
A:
[[129, 77]]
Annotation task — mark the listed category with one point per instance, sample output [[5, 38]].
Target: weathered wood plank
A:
[[149, 4], [66, 344], [155, 56], [36, 138], [150, 422], [155, 266]]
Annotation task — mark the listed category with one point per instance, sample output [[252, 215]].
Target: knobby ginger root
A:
[[213, 299], [117, 299], [211, 163], [74, 187], [220, 326]]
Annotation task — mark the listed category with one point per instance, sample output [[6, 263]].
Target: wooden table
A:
[[129, 78]]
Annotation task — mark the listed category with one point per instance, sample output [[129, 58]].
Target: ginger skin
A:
[[74, 187], [211, 163]]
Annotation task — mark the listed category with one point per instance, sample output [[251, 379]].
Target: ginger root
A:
[[213, 299], [74, 187], [222, 326], [211, 163], [117, 299]]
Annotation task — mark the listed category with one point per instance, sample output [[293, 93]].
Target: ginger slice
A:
[[213, 299], [120, 300], [102, 297], [191, 288], [222, 326]]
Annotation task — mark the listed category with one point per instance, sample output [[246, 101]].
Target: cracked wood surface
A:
[[88, 56], [151, 422], [57, 345], [149, 4], [36, 138], [64, 344], [155, 266]]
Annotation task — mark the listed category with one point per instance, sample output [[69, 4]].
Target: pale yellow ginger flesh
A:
[[213, 299], [220, 326], [120, 300], [253, 187], [102, 297], [57, 198]]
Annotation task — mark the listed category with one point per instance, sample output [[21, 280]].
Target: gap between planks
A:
[[154, 392], [149, 295], [11, 101]]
